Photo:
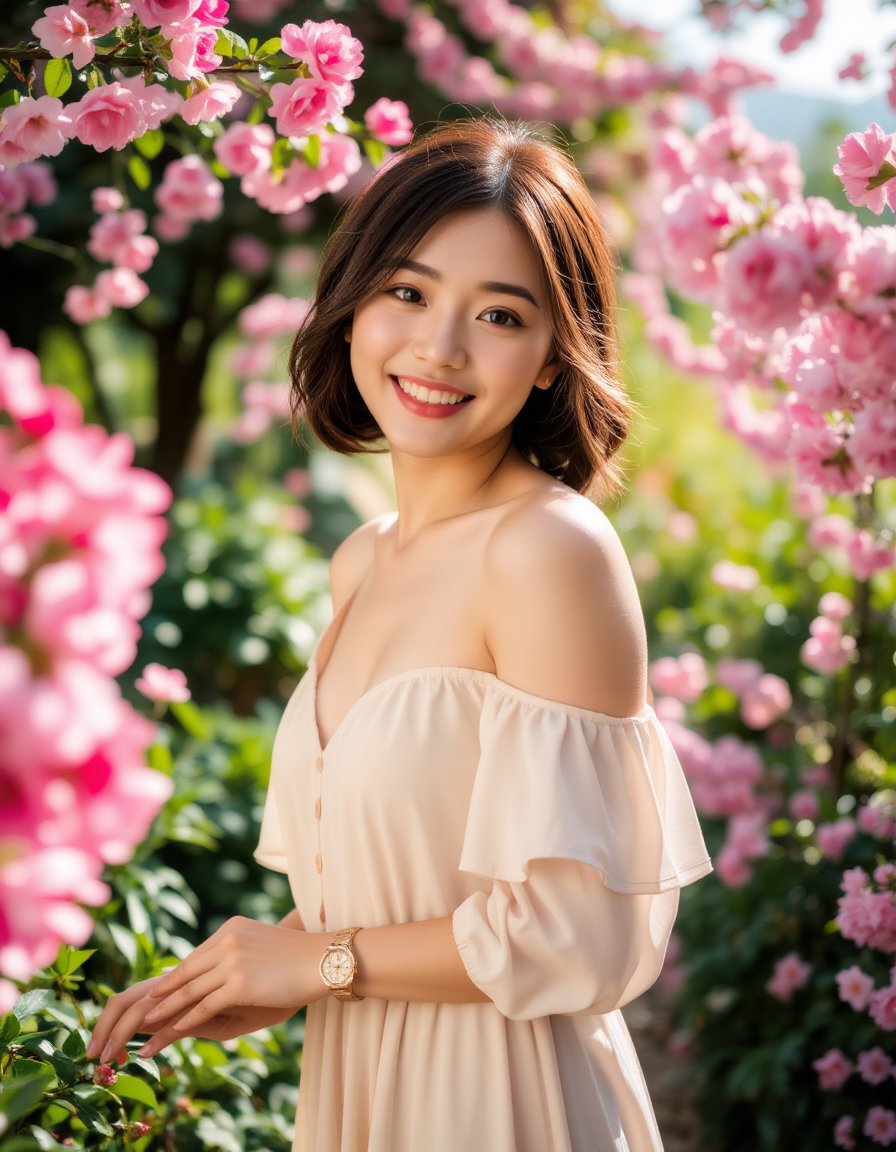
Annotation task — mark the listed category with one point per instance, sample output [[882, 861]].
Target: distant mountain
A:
[[798, 116]]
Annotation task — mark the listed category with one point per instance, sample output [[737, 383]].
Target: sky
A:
[[847, 26]]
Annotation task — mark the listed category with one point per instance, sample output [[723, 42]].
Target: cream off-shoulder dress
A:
[[557, 839]]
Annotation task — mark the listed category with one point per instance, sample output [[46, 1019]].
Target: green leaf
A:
[[229, 44], [66, 1068], [42, 1140], [311, 151], [124, 941], [70, 960], [93, 1119], [21, 1096], [9, 98], [131, 1088], [58, 77], [376, 152], [268, 48], [192, 720], [31, 1003], [74, 1045], [139, 172], [151, 143], [9, 1029], [94, 77]]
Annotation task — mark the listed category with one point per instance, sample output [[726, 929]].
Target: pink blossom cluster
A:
[[790, 975], [866, 912], [264, 403], [867, 168], [828, 649], [549, 74], [188, 27], [30, 184], [803, 23], [118, 237], [80, 537], [861, 551], [801, 293]]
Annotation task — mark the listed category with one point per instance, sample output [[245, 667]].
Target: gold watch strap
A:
[[344, 937]]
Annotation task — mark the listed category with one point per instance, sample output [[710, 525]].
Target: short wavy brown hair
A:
[[571, 430]]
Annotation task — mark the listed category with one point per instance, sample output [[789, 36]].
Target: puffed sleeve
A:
[[271, 852], [584, 826]]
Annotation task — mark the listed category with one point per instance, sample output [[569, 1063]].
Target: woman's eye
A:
[[406, 294], [501, 318]]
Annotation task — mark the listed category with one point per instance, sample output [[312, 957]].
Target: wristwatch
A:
[[338, 965]]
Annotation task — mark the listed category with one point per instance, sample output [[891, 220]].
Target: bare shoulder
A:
[[354, 557], [563, 616]]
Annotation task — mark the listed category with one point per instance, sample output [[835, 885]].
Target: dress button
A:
[[319, 763], [318, 864], [317, 809]]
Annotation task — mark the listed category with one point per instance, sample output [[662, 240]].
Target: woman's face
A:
[[446, 352]]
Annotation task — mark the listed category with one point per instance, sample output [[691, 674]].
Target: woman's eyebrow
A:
[[486, 286]]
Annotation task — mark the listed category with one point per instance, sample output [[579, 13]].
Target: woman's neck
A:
[[431, 490]]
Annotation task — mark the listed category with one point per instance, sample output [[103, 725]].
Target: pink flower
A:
[[880, 1125], [122, 287], [156, 103], [388, 120], [250, 254], [104, 1075], [106, 200], [160, 683], [152, 13], [803, 26], [731, 868], [882, 1008], [804, 805], [189, 191], [102, 15], [738, 676], [64, 33], [834, 606], [790, 974], [272, 315], [843, 1132], [855, 987], [192, 49], [737, 577], [877, 820], [107, 117], [833, 1070], [867, 555], [245, 148], [827, 650], [210, 103], [329, 49], [683, 677], [765, 701], [832, 839], [862, 156], [875, 1066], [872, 444], [306, 106], [32, 128], [854, 68], [84, 305], [764, 277]]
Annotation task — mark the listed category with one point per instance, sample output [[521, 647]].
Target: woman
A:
[[484, 825]]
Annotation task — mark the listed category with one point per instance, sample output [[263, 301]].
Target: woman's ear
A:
[[548, 374]]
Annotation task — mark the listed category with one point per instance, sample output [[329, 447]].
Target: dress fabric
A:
[[557, 838]]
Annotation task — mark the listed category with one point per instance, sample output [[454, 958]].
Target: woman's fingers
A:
[[116, 1007], [181, 1001], [124, 1028]]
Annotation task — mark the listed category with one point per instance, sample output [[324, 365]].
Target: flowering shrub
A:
[[80, 536]]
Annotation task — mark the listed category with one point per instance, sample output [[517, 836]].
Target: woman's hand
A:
[[248, 975]]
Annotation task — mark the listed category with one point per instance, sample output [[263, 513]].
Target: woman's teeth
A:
[[427, 396]]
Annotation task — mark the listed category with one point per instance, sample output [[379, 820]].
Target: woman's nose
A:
[[439, 341]]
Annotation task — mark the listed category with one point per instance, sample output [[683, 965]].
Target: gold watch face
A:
[[338, 967]]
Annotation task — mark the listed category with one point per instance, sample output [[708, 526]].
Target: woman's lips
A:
[[421, 407]]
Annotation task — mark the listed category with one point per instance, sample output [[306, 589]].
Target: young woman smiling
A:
[[484, 825]]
